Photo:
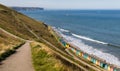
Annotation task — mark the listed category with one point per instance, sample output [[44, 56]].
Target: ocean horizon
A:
[[90, 30]]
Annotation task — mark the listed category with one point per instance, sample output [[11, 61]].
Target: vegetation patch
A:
[[21, 25], [46, 60], [8, 44], [8, 52]]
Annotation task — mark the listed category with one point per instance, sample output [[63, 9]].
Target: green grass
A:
[[14, 22], [43, 61], [8, 52], [46, 60], [8, 44]]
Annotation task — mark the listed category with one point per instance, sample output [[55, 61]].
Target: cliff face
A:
[[27, 8]]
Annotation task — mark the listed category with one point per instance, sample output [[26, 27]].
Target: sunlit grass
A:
[[43, 59]]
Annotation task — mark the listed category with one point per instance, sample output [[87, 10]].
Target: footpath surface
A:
[[20, 61]]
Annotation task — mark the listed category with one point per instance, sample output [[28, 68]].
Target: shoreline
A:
[[75, 49]]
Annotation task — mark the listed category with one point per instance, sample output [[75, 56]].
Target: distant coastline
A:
[[27, 8]]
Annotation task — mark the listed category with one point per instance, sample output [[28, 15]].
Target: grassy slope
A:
[[7, 41], [15, 24], [46, 60], [11, 24], [8, 44], [42, 60]]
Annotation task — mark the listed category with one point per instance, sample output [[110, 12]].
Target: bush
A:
[[43, 61], [8, 52]]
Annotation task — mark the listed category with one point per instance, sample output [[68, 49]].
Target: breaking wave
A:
[[63, 30], [89, 49], [89, 39]]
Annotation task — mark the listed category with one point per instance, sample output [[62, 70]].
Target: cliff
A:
[[27, 8]]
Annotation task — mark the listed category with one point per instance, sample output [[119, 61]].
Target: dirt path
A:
[[20, 61]]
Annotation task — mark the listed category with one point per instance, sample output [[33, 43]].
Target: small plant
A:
[[42, 60], [8, 52]]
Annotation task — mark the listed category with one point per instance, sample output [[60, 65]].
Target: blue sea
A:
[[90, 30]]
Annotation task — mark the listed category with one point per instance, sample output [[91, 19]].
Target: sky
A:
[[65, 4]]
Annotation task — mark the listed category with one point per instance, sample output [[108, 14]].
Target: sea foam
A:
[[89, 49], [63, 30], [89, 39]]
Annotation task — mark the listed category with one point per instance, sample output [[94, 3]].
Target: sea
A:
[[95, 32]]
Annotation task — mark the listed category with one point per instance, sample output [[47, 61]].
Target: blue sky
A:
[[65, 4]]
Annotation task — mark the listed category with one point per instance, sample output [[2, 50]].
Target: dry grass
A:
[[46, 60], [43, 58], [14, 22], [7, 42]]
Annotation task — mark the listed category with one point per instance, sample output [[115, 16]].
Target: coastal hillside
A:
[[27, 8], [25, 27], [14, 24], [8, 44], [22, 26], [5, 38], [48, 53]]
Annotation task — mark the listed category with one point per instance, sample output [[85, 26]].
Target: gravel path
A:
[[20, 61]]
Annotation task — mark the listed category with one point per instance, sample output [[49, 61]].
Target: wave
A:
[[90, 50], [86, 38], [89, 39], [63, 30], [82, 37], [96, 41]]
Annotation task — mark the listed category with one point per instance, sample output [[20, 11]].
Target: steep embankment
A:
[[45, 59], [10, 23], [7, 41], [25, 27], [8, 44], [19, 24]]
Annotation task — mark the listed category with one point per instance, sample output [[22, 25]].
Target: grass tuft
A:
[[8, 52], [43, 60]]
